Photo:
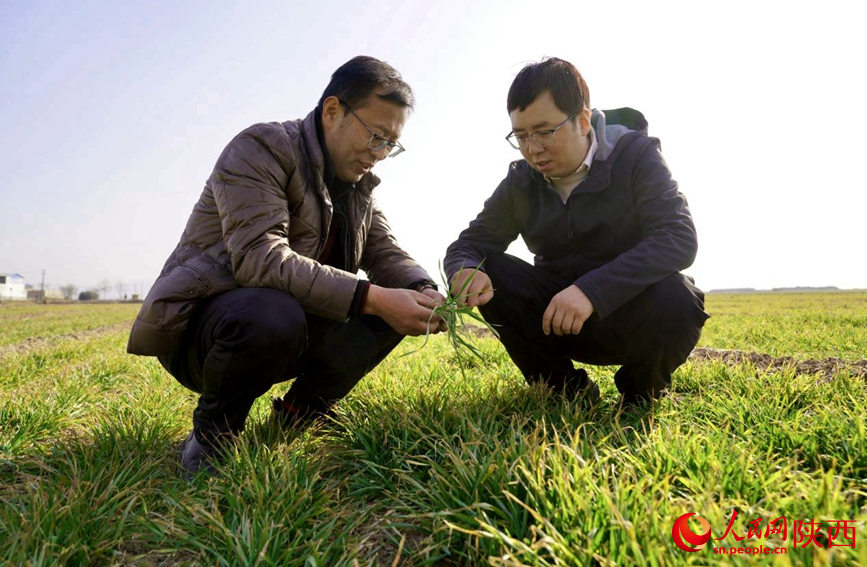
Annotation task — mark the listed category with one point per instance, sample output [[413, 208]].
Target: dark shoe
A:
[[290, 416], [579, 386], [590, 394], [196, 456], [633, 407]]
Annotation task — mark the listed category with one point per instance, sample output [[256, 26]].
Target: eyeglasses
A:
[[376, 142], [543, 138]]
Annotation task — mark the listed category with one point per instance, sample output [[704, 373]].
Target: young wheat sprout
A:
[[452, 312]]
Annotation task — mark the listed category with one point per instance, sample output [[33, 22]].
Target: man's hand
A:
[[567, 312], [409, 312], [439, 299], [478, 292]]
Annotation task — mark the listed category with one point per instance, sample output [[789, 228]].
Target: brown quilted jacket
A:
[[261, 221]]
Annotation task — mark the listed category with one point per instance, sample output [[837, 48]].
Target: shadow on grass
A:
[[422, 459], [79, 497], [116, 495], [445, 464]]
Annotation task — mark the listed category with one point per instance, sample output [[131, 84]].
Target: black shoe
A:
[[291, 416], [196, 456], [579, 386], [590, 393], [633, 407]]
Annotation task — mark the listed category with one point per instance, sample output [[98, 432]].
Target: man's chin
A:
[[351, 177]]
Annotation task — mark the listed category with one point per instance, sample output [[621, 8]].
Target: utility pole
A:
[[43, 287]]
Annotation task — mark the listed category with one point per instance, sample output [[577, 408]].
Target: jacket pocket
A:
[[212, 276], [173, 296]]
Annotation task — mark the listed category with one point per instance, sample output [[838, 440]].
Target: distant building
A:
[[40, 296], [12, 287]]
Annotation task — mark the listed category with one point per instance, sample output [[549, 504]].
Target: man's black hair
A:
[[560, 77], [362, 76]]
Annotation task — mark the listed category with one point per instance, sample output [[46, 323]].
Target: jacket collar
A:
[[599, 176]]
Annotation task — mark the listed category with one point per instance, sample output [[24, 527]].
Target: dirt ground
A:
[[825, 368]]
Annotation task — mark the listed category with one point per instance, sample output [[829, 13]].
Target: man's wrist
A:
[[359, 298], [371, 300], [420, 286]]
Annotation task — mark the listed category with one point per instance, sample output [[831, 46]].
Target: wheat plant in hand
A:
[[453, 312]]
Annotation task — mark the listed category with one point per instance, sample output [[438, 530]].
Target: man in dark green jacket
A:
[[596, 205]]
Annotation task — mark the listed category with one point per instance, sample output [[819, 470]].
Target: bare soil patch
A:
[[140, 554], [826, 368], [479, 331]]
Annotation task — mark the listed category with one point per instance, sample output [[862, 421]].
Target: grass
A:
[[803, 325], [21, 321], [424, 466]]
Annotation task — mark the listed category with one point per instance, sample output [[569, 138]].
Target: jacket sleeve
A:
[[249, 186], [383, 260], [669, 244], [491, 232]]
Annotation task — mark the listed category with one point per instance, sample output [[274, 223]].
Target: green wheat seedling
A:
[[478, 472], [453, 312]]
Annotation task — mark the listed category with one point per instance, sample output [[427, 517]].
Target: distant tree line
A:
[[100, 290], [69, 291]]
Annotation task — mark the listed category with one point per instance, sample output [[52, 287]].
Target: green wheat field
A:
[[425, 466]]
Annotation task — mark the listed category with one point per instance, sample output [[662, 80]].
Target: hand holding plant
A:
[[469, 288]]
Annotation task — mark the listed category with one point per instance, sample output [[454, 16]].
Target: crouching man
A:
[[596, 204], [263, 286]]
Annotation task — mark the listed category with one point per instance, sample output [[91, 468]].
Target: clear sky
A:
[[113, 114]]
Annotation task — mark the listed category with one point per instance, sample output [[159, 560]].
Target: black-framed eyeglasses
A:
[[543, 138], [376, 142]]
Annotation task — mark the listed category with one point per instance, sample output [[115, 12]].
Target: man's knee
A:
[[676, 309], [504, 269], [259, 320], [519, 288]]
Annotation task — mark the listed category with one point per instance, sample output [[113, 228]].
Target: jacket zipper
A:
[[346, 241], [568, 208]]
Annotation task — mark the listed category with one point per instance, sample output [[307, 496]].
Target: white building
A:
[[12, 287]]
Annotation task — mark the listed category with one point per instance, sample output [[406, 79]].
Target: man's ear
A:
[[330, 111], [584, 121]]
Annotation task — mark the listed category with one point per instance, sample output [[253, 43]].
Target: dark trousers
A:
[[650, 336], [242, 342]]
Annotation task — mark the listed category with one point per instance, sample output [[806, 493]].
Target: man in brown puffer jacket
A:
[[263, 285]]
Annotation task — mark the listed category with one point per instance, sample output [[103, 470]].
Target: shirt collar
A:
[[591, 153]]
